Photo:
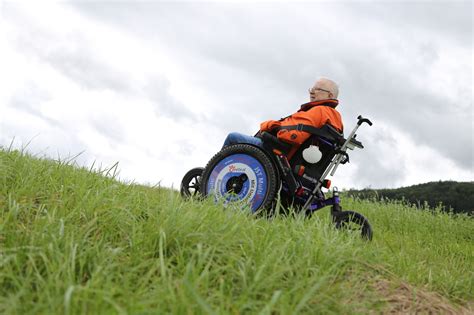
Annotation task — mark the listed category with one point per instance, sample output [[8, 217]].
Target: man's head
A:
[[323, 89]]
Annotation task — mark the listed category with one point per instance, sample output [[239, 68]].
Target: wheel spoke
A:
[[191, 182]]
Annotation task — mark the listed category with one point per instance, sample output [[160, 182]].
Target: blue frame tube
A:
[[319, 204]]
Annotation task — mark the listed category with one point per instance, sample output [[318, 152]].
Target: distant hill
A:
[[458, 196]]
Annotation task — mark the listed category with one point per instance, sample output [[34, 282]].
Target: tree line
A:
[[457, 197]]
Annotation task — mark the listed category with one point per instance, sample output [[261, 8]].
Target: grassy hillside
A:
[[75, 241]]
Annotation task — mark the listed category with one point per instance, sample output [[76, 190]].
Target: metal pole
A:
[[335, 161]]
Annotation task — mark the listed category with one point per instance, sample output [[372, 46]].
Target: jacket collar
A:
[[330, 103]]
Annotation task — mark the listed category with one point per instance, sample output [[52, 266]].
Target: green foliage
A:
[[77, 241], [452, 196]]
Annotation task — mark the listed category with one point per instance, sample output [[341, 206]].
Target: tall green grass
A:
[[77, 241]]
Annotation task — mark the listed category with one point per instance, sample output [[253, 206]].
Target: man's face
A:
[[318, 93]]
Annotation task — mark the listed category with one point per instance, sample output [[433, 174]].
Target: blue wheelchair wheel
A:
[[242, 174]]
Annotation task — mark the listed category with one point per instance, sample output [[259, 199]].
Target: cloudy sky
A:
[[156, 86]]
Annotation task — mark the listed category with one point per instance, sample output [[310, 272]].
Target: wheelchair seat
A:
[[271, 143]]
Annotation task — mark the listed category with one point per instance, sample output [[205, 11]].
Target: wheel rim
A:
[[190, 185], [193, 186], [238, 178]]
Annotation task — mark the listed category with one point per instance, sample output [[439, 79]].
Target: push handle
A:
[[363, 120]]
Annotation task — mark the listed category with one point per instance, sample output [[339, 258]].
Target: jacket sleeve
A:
[[269, 125], [295, 136]]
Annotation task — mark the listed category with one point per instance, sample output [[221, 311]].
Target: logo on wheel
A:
[[233, 169]]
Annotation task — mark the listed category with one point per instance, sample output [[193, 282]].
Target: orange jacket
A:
[[316, 114]]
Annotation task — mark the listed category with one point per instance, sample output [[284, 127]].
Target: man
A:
[[318, 112]]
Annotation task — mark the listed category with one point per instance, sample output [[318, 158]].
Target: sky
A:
[[156, 86]]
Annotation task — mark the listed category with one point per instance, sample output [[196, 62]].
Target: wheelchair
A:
[[260, 176]]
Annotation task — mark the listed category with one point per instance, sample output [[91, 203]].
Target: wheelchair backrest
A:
[[327, 140]]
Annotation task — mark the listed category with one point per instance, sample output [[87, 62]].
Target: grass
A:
[[77, 241]]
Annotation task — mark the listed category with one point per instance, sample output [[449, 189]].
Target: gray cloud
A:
[[72, 54], [53, 142], [382, 165], [259, 60], [287, 45], [431, 120], [29, 98], [79, 65], [452, 19], [157, 90], [109, 127], [75, 57]]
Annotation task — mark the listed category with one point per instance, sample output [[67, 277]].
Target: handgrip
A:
[[363, 120]]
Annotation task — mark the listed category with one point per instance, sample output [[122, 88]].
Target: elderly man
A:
[[318, 112]]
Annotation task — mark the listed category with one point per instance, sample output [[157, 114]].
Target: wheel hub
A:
[[236, 183]]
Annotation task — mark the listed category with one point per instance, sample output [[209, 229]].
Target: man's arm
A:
[[296, 136], [269, 125]]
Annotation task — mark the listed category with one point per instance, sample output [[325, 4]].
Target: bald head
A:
[[323, 89]]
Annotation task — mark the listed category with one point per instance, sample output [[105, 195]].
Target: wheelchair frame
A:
[[312, 198], [341, 157], [315, 199]]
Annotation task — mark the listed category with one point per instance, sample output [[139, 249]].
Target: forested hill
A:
[[450, 194]]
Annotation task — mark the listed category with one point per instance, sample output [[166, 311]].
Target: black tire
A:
[[253, 183], [191, 182], [351, 220]]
